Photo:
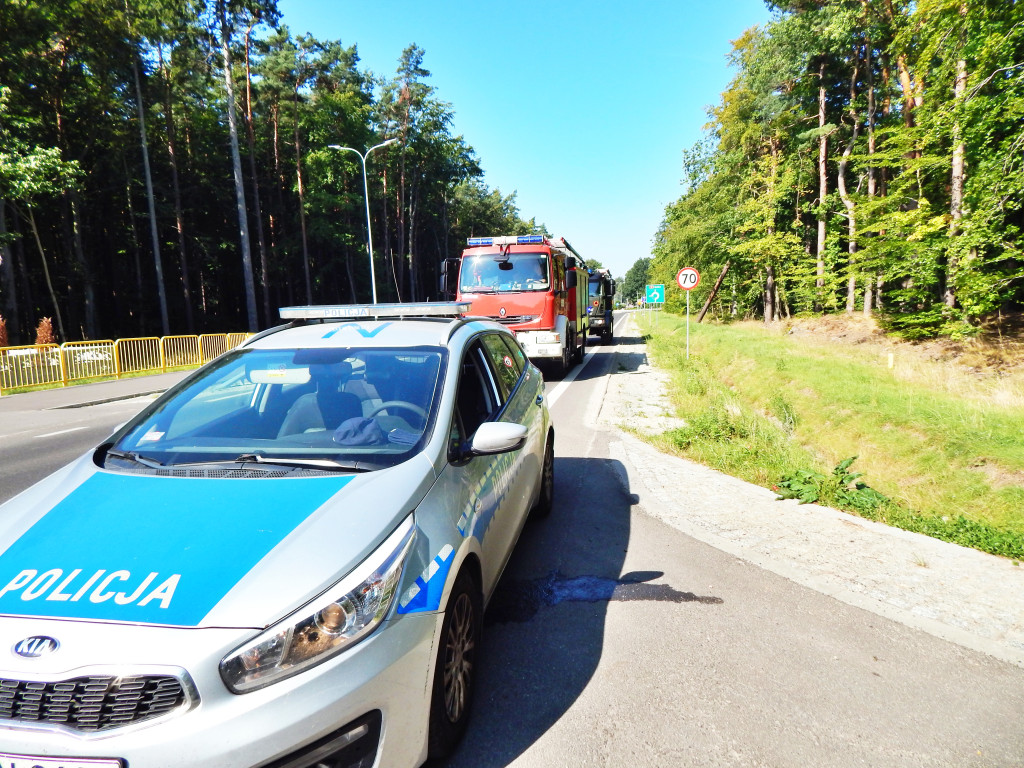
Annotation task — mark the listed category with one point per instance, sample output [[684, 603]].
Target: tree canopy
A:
[[165, 167], [867, 156]]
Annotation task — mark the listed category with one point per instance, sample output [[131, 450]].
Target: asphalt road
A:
[[615, 639]]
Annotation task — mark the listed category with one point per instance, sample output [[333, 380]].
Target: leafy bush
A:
[[842, 488]]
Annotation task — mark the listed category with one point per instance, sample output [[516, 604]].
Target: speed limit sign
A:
[[688, 278]]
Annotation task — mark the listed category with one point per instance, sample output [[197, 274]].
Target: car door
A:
[[521, 407]]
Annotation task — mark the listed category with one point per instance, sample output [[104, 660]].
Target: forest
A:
[[166, 168], [868, 156]]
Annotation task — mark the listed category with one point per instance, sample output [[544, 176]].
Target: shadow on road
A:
[[546, 622]]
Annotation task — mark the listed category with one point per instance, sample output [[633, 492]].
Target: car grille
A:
[[94, 703], [515, 319]]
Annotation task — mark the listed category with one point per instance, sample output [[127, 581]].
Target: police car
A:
[[284, 560]]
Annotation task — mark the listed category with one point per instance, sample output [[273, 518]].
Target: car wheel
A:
[[546, 498], [455, 671]]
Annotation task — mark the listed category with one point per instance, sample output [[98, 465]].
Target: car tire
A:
[[546, 497], [456, 667]]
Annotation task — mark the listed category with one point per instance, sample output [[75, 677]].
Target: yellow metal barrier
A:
[[41, 365], [87, 360], [180, 352], [212, 345], [30, 366], [137, 355], [234, 339]]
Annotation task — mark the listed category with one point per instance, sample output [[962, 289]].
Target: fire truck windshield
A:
[[489, 273]]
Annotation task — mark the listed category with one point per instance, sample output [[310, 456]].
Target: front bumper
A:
[[280, 725], [540, 344]]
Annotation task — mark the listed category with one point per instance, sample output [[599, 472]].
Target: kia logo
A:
[[35, 646]]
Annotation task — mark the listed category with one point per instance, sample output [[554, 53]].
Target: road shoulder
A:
[[952, 592]]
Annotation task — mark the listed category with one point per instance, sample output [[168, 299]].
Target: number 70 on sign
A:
[[688, 278]]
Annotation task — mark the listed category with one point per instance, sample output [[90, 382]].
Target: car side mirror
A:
[[493, 437]]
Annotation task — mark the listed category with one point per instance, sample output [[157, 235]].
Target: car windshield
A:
[[490, 273], [321, 409]]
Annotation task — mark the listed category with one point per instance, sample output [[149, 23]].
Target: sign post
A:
[[655, 295], [688, 278]]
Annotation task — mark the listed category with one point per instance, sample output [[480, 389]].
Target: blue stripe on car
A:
[[149, 549], [425, 593]]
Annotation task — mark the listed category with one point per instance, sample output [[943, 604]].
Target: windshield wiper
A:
[[287, 461], [134, 457]]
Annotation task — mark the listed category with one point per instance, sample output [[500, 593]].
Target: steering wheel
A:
[[399, 404]]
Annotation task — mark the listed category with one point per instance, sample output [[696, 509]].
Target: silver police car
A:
[[284, 560]]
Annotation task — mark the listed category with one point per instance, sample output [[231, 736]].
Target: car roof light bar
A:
[[343, 311]]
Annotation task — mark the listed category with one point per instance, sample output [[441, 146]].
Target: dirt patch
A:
[[997, 350]]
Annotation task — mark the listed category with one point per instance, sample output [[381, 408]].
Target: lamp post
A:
[[366, 194]]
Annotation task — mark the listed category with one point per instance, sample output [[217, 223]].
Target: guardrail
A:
[[47, 365]]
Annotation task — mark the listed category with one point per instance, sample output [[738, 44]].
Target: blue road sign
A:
[[655, 294]]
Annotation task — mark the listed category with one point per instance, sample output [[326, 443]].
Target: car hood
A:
[[90, 544]]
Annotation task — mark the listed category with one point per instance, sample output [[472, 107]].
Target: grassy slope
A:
[[946, 448]]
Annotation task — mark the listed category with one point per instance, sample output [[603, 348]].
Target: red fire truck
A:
[[534, 284]]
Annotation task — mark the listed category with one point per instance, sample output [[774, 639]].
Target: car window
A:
[[371, 405], [518, 356], [477, 399], [503, 363]]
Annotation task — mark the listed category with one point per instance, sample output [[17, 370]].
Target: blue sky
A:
[[581, 108]]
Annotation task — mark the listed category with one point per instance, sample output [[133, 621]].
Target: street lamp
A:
[[366, 194]]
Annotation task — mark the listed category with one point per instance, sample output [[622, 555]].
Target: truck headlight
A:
[[547, 337], [321, 629]]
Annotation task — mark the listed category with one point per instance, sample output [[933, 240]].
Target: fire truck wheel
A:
[[566, 362], [581, 350]]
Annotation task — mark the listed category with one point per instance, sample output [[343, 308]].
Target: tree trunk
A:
[[851, 215], [251, 137], [819, 282], [179, 214], [88, 283], [236, 164], [8, 283], [769, 294], [302, 200], [958, 176], [154, 235], [714, 292], [46, 274]]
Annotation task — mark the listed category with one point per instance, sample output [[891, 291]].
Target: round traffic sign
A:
[[688, 278]]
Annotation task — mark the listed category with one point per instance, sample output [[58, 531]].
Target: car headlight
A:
[[321, 629]]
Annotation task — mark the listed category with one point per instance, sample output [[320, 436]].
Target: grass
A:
[[938, 449]]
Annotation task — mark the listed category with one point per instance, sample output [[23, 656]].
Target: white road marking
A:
[[564, 383], [61, 432]]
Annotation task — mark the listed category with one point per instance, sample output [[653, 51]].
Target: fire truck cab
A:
[[534, 284]]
